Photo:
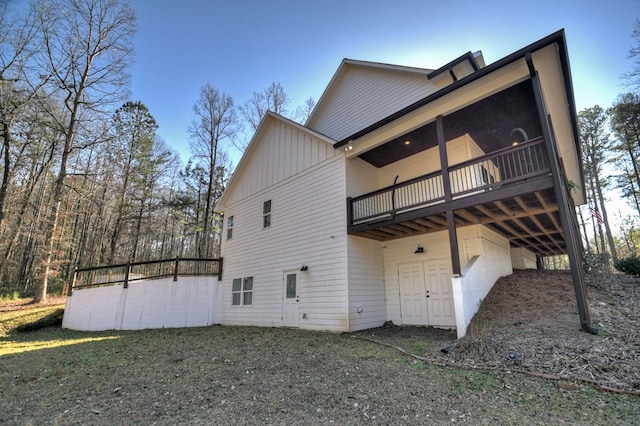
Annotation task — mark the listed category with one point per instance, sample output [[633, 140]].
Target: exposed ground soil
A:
[[529, 322], [250, 375]]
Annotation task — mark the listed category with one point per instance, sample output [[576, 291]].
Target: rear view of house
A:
[[406, 195]]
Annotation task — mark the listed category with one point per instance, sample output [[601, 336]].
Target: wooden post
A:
[[349, 211], [574, 250], [446, 182], [175, 269], [73, 282], [220, 269], [126, 275]]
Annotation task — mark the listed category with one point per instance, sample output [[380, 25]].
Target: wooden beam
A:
[[504, 208], [484, 210], [549, 209], [547, 233], [466, 215], [391, 231], [502, 217], [531, 233], [522, 204], [416, 226], [429, 223], [437, 219]]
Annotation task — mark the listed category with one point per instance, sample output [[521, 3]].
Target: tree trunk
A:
[[584, 230], [6, 145], [605, 219], [40, 294]]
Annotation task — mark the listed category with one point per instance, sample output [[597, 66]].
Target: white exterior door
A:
[[413, 297], [290, 300], [440, 295], [426, 297]]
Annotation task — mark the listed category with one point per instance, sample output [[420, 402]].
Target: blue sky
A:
[[241, 46]]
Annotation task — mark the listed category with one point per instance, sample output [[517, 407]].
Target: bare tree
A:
[[593, 123], [625, 121], [88, 50], [633, 77], [273, 98], [216, 120], [18, 34], [303, 112]]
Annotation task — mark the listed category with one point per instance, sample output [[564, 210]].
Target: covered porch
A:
[[513, 175], [510, 191]]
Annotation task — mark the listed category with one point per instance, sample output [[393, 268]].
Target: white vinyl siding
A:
[[282, 152], [363, 95], [309, 230], [459, 149], [365, 262], [366, 284]]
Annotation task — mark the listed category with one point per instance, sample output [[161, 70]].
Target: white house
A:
[[406, 195]]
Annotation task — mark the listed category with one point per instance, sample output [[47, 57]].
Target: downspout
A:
[[573, 249]]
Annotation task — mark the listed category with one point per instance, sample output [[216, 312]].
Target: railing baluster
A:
[[503, 167]]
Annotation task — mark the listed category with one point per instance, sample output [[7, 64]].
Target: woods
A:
[[85, 178]]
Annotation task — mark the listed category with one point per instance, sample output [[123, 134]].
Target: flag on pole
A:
[[596, 214]]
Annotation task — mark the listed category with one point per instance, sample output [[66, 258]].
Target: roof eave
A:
[[557, 37]]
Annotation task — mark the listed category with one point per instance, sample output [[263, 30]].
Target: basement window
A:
[[242, 291]]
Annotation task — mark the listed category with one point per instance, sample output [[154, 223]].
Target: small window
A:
[[266, 214], [291, 286], [487, 178], [242, 291], [229, 227]]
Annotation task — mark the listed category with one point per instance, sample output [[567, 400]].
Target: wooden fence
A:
[[137, 271]]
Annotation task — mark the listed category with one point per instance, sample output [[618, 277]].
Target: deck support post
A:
[[446, 183], [567, 216]]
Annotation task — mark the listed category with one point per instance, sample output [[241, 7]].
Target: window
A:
[[242, 291], [229, 227], [487, 177], [266, 214]]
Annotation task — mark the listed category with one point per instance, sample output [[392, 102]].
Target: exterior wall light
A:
[[304, 268], [419, 250], [522, 133]]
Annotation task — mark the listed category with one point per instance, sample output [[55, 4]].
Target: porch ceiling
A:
[[528, 220], [488, 122]]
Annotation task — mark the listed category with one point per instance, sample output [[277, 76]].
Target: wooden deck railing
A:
[[137, 271], [499, 168]]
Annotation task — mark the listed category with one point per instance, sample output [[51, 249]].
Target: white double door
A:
[[426, 297]]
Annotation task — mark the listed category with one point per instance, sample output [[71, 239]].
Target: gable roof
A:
[[342, 69], [268, 120], [353, 81], [558, 37], [361, 93]]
